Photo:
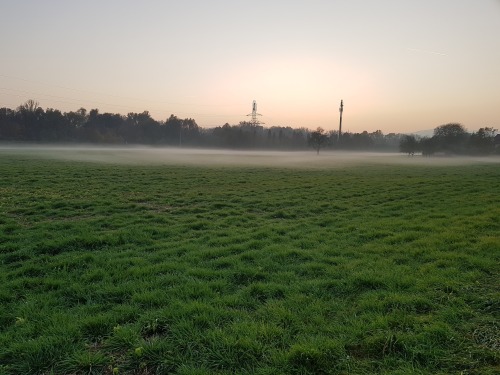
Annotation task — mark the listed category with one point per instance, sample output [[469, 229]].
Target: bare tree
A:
[[318, 139]]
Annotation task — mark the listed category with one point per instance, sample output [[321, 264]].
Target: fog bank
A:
[[220, 157]]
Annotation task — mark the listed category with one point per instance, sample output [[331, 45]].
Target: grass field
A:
[[110, 268]]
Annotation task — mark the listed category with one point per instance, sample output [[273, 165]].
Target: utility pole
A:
[[180, 135], [341, 109]]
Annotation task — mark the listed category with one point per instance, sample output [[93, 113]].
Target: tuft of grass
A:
[[86, 362]]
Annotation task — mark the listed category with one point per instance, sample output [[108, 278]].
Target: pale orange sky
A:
[[399, 66]]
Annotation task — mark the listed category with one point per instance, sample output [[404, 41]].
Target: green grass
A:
[[199, 270]]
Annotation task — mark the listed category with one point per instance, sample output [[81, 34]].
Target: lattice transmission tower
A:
[[254, 115]]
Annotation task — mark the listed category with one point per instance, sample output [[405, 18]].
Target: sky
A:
[[398, 65]]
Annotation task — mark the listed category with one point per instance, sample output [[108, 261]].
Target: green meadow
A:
[[123, 268]]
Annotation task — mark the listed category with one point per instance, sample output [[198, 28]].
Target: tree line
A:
[[30, 123], [453, 139]]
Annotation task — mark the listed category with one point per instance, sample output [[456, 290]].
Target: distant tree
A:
[[103, 128], [362, 141], [318, 139], [428, 146], [55, 127], [392, 140], [30, 106], [356, 141], [190, 131], [76, 119], [496, 144], [333, 138], [10, 129], [408, 145], [173, 130], [30, 115], [378, 139], [482, 142], [141, 128], [450, 138]]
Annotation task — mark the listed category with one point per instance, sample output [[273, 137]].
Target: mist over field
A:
[[223, 157]]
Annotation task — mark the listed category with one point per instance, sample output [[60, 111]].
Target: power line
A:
[[115, 96], [79, 102]]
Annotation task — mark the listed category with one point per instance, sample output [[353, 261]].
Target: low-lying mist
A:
[[220, 157]]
